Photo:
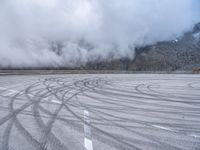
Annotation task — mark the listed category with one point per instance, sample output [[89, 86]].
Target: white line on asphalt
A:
[[8, 91], [87, 131], [168, 129], [163, 128], [88, 144], [194, 135], [56, 102]]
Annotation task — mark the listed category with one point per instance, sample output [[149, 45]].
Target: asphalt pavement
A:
[[100, 112]]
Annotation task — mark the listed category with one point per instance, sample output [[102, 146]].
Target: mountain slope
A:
[[180, 54]]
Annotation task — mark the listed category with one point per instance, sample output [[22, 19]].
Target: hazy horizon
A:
[[70, 32]]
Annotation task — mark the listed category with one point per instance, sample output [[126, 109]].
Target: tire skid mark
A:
[[89, 108], [149, 137], [13, 113], [128, 100], [101, 131], [6, 136], [47, 135], [46, 129]]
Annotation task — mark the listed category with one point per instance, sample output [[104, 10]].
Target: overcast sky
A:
[[30, 28]]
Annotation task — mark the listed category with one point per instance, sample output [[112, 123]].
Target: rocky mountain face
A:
[[180, 54]]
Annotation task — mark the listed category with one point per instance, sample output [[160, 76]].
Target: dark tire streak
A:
[[136, 107]]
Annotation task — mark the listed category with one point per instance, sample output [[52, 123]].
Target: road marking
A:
[[168, 129], [194, 135], [87, 131], [163, 128], [56, 102], [8, 92], [88, 144]]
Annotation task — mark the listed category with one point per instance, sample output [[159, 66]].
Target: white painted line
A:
[[88, 144], [87, 131], [163, 128], [56, 102], [194, 135], [8, 92], [168, 129], [3, 88]]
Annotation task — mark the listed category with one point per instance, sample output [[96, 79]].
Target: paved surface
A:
[[100, 112]]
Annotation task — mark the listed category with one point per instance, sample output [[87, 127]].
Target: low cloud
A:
[[47, 33]]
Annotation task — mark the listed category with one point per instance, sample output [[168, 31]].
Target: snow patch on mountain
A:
[[196, 36]]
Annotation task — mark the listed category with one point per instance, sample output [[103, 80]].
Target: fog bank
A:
[[45, 33]]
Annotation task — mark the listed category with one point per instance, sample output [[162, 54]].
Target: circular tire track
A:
[[140, 111]]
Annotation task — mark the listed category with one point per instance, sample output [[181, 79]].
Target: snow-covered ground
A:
[[197, 36], [100, 112]]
